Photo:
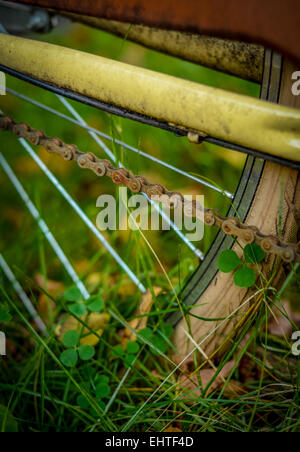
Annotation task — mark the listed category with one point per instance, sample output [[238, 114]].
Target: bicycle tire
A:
[[207, 284]]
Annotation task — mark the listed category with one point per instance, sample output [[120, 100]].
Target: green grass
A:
[[137, 390], [144, 394]]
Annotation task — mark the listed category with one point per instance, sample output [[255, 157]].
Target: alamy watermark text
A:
[[296, 83], [135, 212], [2, 344], [296, 344], [2, 84]]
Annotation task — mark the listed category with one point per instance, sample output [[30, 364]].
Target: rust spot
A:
[[273, 24]]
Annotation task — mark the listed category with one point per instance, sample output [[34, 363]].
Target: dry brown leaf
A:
[[96, 322], [188, 364], [156, 374], [46, 305], [172, 429], [54, 288], [81, 266], [101, 279], [139, 323], [280, 325], [192, 384], [248, 369], [46, 308], [234, 389], [94, 279]]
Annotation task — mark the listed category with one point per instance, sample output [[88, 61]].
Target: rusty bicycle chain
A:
[[230, 225]]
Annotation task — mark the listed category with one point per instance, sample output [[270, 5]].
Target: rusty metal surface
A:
[[233, 57], [273, 23], [121, 176]]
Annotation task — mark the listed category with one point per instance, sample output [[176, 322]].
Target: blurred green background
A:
[[21, 242]]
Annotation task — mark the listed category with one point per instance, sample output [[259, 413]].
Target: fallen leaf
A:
[[81, 266], [172, 430], [139, 323], [53, 287], [96, 322], [280, 325], [188, 364], [93, 280], [234, 389], [192, 384], [248, 369], [46, 305]]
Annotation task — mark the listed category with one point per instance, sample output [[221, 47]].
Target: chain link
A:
[[288, 252]]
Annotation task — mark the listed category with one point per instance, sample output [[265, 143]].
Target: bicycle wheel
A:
[[258, 200], [257, 180]]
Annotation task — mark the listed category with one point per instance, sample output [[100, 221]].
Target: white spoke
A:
[[26, 301], [44, 228], [121, 143], [82, 215], [72, 110]]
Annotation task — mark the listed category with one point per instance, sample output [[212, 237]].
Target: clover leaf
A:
[[228, 261], [69, 358], [253, 254], [86, 352], [244, 277], [71, 338]]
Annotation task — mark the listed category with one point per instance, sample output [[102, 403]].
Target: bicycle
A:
[[268, 134]]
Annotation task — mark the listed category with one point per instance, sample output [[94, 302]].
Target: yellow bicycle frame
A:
[[239, 119]]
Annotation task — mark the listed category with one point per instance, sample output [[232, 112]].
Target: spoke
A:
[[26, 301], [195, 250], [82, 122], [82, 215], [121, 143], [72, 110], [44, 228], [95, 135]]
